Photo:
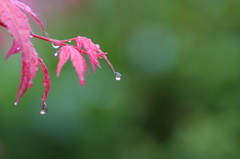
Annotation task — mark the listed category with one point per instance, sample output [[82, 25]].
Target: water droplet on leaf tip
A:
[[55, 46], [118, 76], [43, 109], [43, 112]]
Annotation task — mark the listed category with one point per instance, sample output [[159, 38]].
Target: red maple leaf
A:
[[18, 26], [77, 60], [12, 18]]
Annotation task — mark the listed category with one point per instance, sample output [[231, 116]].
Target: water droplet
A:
[[118, 76], [30, 84], [98, 46], [15, 103], [55, 46], [43, 109], [31, 33], [18, 48], [70, 41], [10, 32], [56, 54]]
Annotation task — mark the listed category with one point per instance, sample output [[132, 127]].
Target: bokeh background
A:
[[179, 97]]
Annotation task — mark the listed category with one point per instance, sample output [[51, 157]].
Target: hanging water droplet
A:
[[43, 109], [70, 41], [55, 46], [118, 76], [56, 54], [15, 103], [31, 33]]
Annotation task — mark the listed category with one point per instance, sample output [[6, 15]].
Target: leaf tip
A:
[[58, 73], [82, 82]]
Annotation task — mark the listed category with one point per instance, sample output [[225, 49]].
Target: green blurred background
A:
[[179, 97]]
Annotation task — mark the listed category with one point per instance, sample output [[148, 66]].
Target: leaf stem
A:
[[57, 42], [62, 43]]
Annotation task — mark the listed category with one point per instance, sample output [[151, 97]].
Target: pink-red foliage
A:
[[12, 18]]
